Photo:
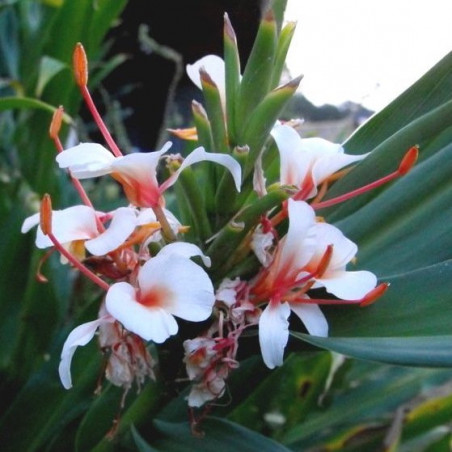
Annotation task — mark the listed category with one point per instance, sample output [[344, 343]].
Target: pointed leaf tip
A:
[[269, 16], [228, 29], [206, 79]]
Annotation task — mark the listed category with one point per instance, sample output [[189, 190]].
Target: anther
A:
[[80, 65]]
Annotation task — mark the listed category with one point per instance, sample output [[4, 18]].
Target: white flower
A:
[[348, 285], [77, 227], [307, 162], [79, 336], [169, 284], [137, 172], [68, 225], [302, 260]]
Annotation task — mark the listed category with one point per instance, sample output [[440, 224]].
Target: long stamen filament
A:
[[76, 263], [54, 130], [368, 299], [406, 164], [80, 64]]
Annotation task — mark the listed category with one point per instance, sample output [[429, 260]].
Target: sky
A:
[[366, 51]]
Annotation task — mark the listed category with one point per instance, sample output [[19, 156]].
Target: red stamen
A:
[[320, 269], [56, 122], [405, 165], [368, 299], [324, 261], [374, 294], [409, 160], [54, 130], [306, 188], [46, 215], [80, 63], [39, 276]]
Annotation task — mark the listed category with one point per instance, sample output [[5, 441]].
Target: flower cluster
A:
[[262, 251]]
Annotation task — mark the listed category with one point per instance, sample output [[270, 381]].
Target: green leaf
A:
[[300, 382], [232, 76], [410, 234], [232, 234], [425, 351], [141, 444], [57, 406], [367, 397], [412, 118], [263, 119], [215, 113], [100, 419], [427, 415], [27, 103], [216, 435], [284, 41], [417, 303], [257, 76], [105, 12], [48, 68]]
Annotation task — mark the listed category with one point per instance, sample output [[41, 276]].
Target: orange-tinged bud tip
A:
[[269, 16], [374, 294], [206, 79], [408, 160], [80, 63], [46, 214], [55, 125]]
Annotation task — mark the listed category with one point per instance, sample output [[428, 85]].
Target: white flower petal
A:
[[79, 336], [183, 287], [347, 285], [312, 318], [214, 66], [140, 166], [137, 174], [329, 157], [344, 250], [186, 250], [295, 163], [200, 155], [68, 225], [298, 245], [259, 180], [122, 225], [274, 333], [30, 222], [150, 323], [86, 160], [261, 243]]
